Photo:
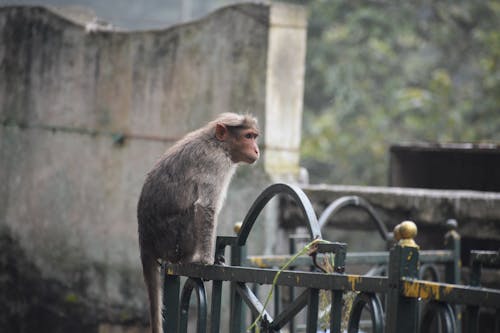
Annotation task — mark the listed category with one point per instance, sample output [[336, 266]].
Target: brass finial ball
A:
[[395, 232], [408, 230], [237, 227], [405, 232]]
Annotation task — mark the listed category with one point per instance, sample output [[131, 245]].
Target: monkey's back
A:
[[187, 173]]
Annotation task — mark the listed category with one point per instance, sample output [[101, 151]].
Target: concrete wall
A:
[[477, 214], [84, 115]]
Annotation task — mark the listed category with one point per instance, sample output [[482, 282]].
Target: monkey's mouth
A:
[[252, 160]]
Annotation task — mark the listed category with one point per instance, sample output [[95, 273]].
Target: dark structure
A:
[[446, 166]]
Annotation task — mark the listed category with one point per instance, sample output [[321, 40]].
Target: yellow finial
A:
[[404, 234], [237, 227]]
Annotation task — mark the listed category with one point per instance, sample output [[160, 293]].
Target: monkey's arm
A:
[[205, 226]]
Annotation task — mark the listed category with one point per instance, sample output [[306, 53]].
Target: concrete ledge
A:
[[477, 213]]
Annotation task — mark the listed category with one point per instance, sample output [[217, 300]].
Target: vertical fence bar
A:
[[255, 290], [216, 306], [336, 307], [291, 290], [277, 300], [336, 312], [312, 311], [402, 312], [471, 319], [171, 291], [236, 318], [472, 312]]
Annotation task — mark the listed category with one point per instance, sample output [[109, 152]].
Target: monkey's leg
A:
[[152, 278], [205, 225]]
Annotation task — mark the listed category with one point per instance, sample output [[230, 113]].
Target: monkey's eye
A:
[[250, 136]]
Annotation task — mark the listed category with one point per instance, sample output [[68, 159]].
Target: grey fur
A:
[[180, 200]]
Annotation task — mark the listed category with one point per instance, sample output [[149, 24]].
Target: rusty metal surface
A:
[[451, 293]]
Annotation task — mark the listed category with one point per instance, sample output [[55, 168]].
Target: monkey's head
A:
[[238, 133]]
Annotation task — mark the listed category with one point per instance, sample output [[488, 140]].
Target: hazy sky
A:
[[133, 14]]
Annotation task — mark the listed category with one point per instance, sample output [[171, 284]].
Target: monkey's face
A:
[[243, 146]]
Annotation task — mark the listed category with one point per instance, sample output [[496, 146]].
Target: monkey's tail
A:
[[151, 271]]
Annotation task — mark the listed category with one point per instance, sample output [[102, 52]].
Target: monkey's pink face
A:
[[244, 146]]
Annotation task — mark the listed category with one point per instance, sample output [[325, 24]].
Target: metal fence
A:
[[392, 294]]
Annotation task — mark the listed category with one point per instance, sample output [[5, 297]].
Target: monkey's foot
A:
[[203, 260], [220, 260], [207, 262]]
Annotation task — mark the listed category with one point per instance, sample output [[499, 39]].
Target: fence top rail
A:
[[451, 293], [332, 281], [370, 258]]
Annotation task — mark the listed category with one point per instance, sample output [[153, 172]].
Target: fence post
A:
[[402, 312], [312, 311]]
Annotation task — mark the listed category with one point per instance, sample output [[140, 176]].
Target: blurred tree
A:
[[382, 72]]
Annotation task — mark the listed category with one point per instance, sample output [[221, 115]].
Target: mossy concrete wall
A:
[[84, 115]]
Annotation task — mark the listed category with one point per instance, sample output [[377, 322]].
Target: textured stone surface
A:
[[477, 213]]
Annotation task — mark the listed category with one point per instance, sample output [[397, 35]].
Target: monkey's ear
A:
[[221, 132]]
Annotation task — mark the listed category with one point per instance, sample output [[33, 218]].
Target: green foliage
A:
[[384, 72]]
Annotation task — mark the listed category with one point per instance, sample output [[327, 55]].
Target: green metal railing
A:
[[401, 289]]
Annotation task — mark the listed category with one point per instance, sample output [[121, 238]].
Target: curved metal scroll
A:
[[299, 197], [201, 325], [354, 201], [428, 272], [374, 307], [440, 310]]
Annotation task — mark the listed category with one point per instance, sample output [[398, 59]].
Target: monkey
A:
[[183, 194]]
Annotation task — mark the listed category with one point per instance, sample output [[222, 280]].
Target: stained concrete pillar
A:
[[285, 89]]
